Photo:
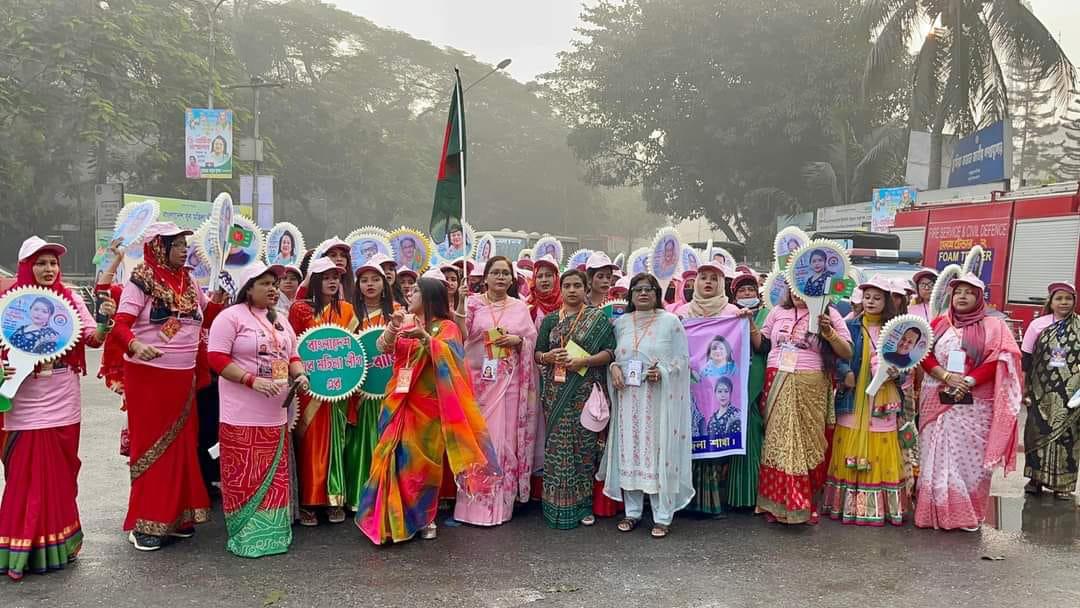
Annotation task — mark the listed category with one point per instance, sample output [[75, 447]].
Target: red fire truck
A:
[[1031, 238]]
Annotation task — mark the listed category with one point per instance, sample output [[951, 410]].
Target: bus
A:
[[510, 243]]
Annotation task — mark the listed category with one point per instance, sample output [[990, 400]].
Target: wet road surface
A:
[[739, 562]]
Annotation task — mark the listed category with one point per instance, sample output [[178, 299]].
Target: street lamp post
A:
[[502, 65]]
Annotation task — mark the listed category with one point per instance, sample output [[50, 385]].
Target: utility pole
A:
[[211, 17], [255, 153]]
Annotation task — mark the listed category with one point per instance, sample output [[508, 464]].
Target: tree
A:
[[959, 77], [1034, 122], [711, 108], [1068, 166]]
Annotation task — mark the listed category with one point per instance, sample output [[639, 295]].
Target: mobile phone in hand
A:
[[100, 298]]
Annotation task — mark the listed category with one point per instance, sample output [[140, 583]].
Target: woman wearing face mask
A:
[[924, 285], [798, 383], [967, 415], [710, 301], [161, 317], [320, 432], [429, 412], [742, 481], [373, 305], [39, 517], [570, 447], [1052, 433], [648, 449], [865, 485], [500, 338], [254, 353]]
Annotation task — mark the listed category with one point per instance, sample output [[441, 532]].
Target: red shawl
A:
[[543, 304]]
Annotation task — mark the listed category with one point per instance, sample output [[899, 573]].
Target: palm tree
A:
[[959, 79]]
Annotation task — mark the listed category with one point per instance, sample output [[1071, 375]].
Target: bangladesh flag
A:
[[450, 185]]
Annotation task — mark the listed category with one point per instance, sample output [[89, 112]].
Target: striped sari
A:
[[255, 489]]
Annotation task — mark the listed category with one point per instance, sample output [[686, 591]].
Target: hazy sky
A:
[[531, 31]]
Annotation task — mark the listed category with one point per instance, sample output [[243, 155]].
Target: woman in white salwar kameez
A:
[[648, 450]]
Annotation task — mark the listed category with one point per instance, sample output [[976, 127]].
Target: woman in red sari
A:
[[160, 319], [39, 518]]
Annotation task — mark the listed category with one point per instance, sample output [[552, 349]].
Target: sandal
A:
[[1033, 488], [308, 518], [1063, 495], [627, 524], [588, 520], [335, 515], [660, 531]]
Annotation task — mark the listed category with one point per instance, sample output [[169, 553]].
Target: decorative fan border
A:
[[425, 242], [639, 253], [307, 333], [788, 232], [973, 261], [29, 290], [833, 246], [939, 298], [544, 240], [523, 253], [470, 237], [126, 210], [215, 219], [481, 240], [580, 252], [906, 320], [684, 253], [661, 235], [768, 286], [301, 244], [368, 364], [729, 268], [202, 240], [620, 261]]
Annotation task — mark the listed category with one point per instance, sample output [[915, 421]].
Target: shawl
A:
[[974, 333], [1004, 394], [670, 398], [543, 304], [75, 359], [169, 288], [701, 306]]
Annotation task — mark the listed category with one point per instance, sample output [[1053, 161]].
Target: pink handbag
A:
[[595, 414]]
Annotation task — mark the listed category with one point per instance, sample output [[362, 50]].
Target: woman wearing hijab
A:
[[648, 448], [254, 353], [320, 431], [499, 343], [865, 485], [39, 446], [967, 416], [430, 412], [545, 297], [710, 301], [161, 317], [569, 447], [1051, 350]]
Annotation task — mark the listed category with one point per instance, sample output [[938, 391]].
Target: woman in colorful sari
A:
[[499, 345], [798, 385], [430, 412], [570, 449], [254, 353], [545, 297], [161, 317], [320, 431], [1051, 355], [373, 303], [742, 480], [866, 482], [39, 517], [967, 416], [709, 300], [648, 450]]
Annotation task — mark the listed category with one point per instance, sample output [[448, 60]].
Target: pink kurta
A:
[[508, 404]]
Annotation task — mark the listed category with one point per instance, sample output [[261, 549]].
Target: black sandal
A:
[[627, 524]]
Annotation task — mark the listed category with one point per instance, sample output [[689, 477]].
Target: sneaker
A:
[[183, 532], [144, 542]]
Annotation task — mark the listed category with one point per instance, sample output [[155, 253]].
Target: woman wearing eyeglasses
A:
[[648, 450]]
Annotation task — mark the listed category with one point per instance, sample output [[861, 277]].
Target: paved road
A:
[[740, 562]]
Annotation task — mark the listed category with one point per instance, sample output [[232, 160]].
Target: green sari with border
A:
[[570, 450], [1052, 430]]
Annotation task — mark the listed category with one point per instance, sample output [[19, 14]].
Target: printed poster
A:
[[719, 376]]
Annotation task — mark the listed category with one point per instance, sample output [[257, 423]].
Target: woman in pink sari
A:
[[970, 400], [500, 338]]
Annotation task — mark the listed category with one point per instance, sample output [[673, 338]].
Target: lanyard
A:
[[269, 327], [870, 337], [638, 337], [573, 326], [496, 321]]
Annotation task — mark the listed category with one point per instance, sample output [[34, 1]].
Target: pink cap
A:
[[34, 244], [689, 274], [877, 281], [320, 266], [713, 266], [599, 260], [258, 269], [476, 271], [165, 229], [856, 295], [969, 279], [434, 273], [525, 263], [374, 263], [623, 283], [1060, 286], [740, 279], [334, 243], [293, 268], [547, 260], [923, 274], [406, 271], [899, 287]]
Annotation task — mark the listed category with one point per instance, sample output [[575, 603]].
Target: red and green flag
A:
[[447, 211]]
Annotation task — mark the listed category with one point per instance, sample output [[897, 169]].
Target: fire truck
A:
[[1030, 237]]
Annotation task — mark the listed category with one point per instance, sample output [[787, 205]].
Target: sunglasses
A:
[[643, 289]]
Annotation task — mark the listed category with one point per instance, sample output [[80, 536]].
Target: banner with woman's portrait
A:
[[719, 374]]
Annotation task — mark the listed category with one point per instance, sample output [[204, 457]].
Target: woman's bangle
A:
[[249, 380], [460, 315]]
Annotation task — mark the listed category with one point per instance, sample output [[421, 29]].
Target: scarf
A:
[[974, 339], [75, 359], [169, 288], [543, 304], [702, 307]]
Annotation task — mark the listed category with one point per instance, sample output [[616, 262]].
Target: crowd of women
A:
[[510, 384]]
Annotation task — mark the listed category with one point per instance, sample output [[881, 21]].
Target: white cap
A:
[[165, 229], [293, 268], [405, 271], [374, 263], [711, 265], [598, 260], [969, 279], [434, 273], [256, 270], [333, 243], [35, 244], [319, 266]]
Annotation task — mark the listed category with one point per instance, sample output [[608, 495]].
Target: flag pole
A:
[[460, 102]]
